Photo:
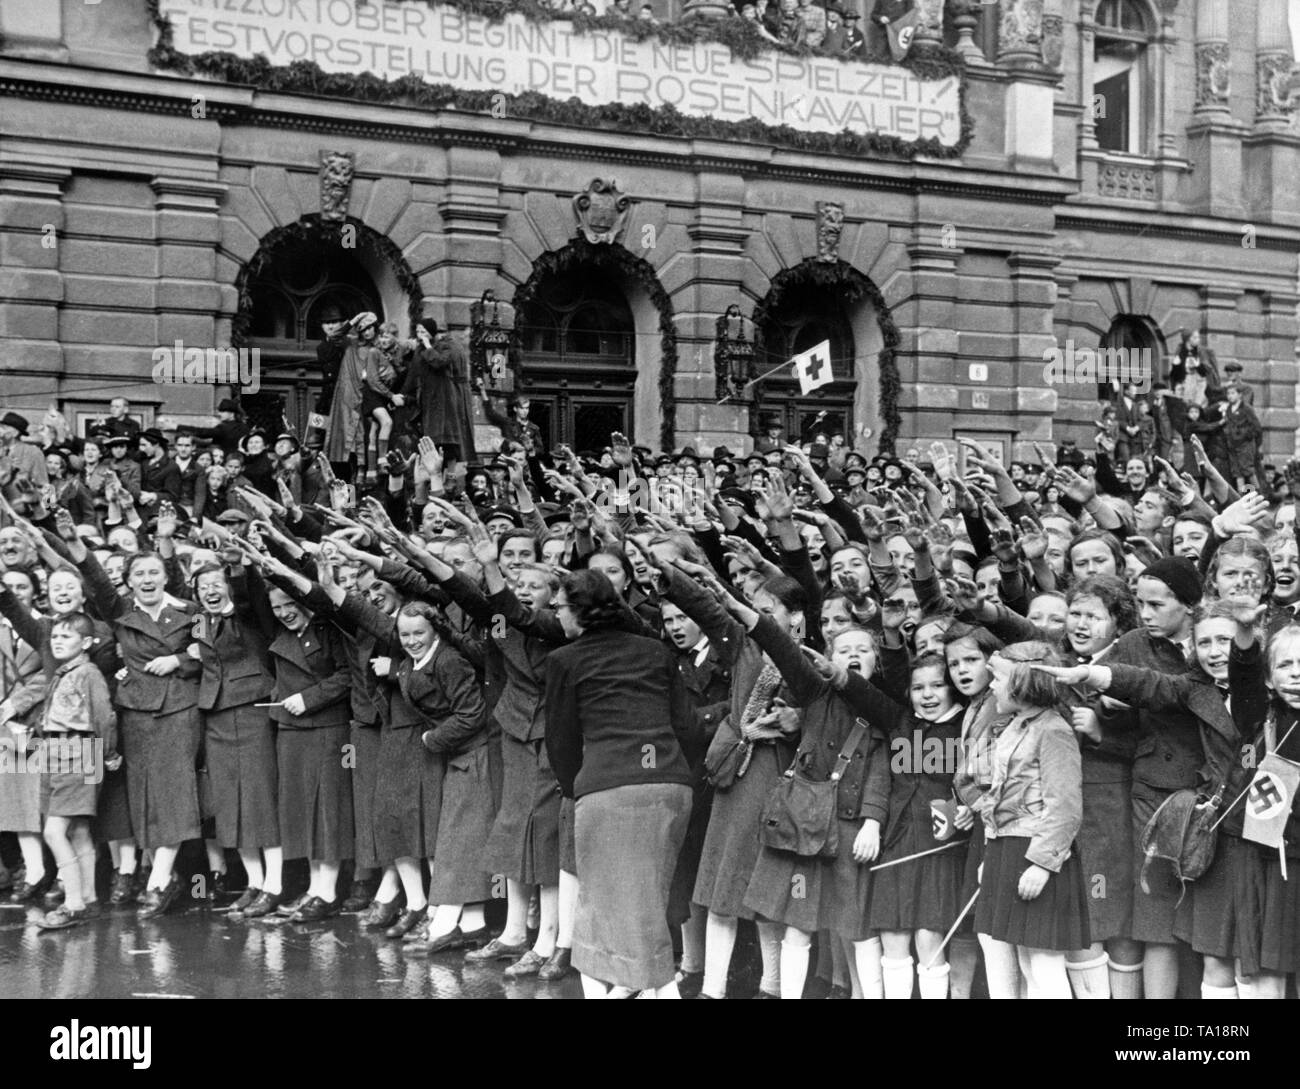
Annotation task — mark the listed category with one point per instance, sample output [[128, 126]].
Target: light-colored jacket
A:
[[1037, 789]]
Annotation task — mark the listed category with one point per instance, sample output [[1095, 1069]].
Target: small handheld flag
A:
[[1268, 802], [813, 367]]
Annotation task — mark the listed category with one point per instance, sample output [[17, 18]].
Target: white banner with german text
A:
[[445, 45]]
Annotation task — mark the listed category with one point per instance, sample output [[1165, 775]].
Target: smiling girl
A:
[[1032, 894], [914, 902], [1098, 611]]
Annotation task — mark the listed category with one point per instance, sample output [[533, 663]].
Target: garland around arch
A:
[[611, 260], [312, 228], [852, 286]]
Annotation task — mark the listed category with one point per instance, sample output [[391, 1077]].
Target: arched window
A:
[[1141, 342], [578, 359], [1121, 76], [807, 315]]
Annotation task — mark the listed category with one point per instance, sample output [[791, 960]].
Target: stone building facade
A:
[[1129, 170]]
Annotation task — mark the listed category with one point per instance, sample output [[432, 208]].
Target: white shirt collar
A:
[[701, 650], [420, 663]]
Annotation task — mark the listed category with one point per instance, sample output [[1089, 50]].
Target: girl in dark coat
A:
[[315, 795], [916, 901], [1203, 916], [1265, 904], [157, 698], [1098, 611], [440, 685], [761, 736], [408, 779], [238, 737], [834, 892]]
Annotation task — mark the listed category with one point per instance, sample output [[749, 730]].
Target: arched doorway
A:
[[578, 349], [297, 272], [595, 346], [1141, 339], [828, 301]]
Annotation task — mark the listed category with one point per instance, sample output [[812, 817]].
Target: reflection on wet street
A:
[[203, 953]]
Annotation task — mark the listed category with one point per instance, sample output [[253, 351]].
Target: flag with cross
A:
[[813, 367], [1269, 798]]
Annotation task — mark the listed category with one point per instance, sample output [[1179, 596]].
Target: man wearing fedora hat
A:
[[855, 42], [22, 457], [329, 353]]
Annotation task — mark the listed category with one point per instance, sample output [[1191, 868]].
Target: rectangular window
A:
[[1113, 110]]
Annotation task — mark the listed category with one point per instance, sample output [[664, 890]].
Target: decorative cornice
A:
[[1140, 223], [451, 127]]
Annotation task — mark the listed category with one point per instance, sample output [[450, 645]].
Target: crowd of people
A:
[[830, 29], [940, 719]]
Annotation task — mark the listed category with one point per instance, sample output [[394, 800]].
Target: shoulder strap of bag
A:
[[851, 744]]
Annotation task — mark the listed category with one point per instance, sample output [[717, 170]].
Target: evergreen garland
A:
[[611, 260], [738, 35], [849, 286]]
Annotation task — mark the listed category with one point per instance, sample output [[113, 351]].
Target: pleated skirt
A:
[[688, 862], [1105, 846], [525, 841], [732, 841], [1056, 919], [970, 880], [813, 894], [242, 779], [1154, 911], [113, 812], [1206, 918], [1266, 910], [160, 753], [627, 840], [457, 874], [408, 795], [315, 794], [365, 776], [568, 849], [924, 894]]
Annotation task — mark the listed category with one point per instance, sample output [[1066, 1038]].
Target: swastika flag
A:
[[1268, 801], [813, 367]]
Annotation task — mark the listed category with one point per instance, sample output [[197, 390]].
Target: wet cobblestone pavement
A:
[[202, 953]]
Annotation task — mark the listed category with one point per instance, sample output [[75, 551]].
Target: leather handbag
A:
[[728, 757], [799, 817]]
